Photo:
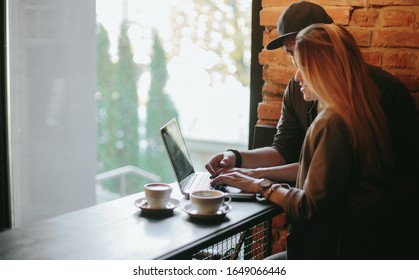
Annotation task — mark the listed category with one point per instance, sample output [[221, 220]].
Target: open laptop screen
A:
[[177, 151]]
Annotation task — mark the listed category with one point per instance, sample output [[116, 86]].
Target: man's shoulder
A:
[[396, 95], [384, 80]]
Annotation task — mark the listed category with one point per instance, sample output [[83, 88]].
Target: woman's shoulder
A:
[[328, 125], [328, 117]]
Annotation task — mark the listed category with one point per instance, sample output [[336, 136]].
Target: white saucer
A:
[[193, 213], [145, 207]]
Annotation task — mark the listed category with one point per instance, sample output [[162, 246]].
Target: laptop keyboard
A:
[[200, 181]]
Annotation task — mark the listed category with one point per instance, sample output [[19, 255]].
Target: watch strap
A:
[[238, 157]]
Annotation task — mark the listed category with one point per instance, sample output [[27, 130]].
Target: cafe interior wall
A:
[[387, 32]]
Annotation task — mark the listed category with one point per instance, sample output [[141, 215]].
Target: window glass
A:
[[92, 83], [52, 70]]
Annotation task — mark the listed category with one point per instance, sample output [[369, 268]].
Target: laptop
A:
[[189, 180]]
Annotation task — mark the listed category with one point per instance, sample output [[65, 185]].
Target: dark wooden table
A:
[[119, 230]]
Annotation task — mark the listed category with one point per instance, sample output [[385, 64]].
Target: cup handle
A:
[[228, 199]]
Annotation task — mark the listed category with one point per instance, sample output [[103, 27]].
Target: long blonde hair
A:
[[332, 65]]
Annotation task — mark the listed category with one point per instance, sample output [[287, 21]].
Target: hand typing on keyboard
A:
[[221, 187]]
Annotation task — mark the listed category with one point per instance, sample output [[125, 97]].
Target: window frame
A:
[[256, 81], [5, 210]]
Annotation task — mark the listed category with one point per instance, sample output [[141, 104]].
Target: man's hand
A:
[[220, 161]]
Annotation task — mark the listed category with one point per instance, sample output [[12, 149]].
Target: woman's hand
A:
[[245, 171], [233, 177]]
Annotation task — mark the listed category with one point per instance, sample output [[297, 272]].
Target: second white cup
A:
[[208, 201]]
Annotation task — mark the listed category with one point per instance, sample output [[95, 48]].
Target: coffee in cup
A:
[[208, 201], [157, 195]]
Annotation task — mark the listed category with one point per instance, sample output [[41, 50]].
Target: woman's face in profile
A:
[[308, 94]]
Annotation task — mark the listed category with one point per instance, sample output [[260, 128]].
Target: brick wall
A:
[[386, 30]]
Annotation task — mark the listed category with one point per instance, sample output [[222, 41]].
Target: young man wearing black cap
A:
[[280, 161]]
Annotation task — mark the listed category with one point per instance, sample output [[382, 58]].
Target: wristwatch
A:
[[263, 185]]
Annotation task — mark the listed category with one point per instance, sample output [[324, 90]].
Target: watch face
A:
[[265, 183]]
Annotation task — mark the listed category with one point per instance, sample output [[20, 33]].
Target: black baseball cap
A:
[[296, 17]]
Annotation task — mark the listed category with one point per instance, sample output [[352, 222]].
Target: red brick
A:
[[398, 18], [362, 36], [267, 122], [345, 3], [277, 56], [269, 97], [395, 38], [400, 60], [340, 15], [269, 16], [280, 75], [365, 17], [276, 3], [265, 73], [372, 57], [269, 112], [272, 92], [393, 2]]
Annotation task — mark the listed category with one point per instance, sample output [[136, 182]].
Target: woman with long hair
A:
[[346, 167], [341, 204], [332, 67]]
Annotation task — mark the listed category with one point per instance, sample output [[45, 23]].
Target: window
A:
[[91, 82]]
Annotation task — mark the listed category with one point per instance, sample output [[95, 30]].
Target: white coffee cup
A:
[[157, 195], [208, 201]]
